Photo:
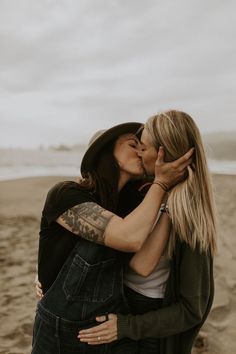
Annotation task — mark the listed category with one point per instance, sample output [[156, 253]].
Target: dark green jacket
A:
[[187, 302]]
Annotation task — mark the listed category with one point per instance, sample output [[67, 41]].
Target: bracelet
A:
[[162, 185], [164, 209]]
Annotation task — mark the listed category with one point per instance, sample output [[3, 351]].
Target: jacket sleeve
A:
[[190, 309]]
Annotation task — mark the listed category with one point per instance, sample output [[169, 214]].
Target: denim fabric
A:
[[90, 283], [125, 346], [55, 335], [139, 304]]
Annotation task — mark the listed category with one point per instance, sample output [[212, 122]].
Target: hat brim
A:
[[87, 163]]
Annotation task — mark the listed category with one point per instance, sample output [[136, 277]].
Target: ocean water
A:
[[31, 163]]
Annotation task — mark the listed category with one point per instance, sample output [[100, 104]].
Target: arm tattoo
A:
[[88, 220]]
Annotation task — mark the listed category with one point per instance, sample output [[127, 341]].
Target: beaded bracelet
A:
[[164, 209]]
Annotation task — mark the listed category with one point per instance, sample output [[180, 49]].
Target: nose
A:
[[139, 152]]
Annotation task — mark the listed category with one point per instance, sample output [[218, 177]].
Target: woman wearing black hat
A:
[[82, 276]]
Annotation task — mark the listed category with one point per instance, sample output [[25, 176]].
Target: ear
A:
[[160, 155]]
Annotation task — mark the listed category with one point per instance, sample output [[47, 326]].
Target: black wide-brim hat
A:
[[102, 138]]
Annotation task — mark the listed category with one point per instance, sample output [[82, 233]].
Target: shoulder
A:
[[63, 186], [68, 194], [193, 260], [185, 248], [63, 196], [67, 187]]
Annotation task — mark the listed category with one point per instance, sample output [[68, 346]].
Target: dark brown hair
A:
[[103, 179]]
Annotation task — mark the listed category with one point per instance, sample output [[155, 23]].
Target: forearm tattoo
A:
[[88, 220]]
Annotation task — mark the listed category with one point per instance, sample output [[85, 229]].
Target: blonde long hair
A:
[[191, 202]]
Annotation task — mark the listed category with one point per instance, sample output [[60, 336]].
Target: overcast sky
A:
[[70, 67]]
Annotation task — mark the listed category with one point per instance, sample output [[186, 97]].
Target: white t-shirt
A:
[[152, 286]]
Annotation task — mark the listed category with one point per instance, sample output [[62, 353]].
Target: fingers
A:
[[105, 336], [171, 173], [186, 164], [185, 157], [103, 333], [94, 330], [101, 340], [39, 293], [183, 162], [189, 153], [38, 289], [101, 319], [180, 163]]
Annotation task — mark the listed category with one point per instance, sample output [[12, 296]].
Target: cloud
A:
[[69, 66]]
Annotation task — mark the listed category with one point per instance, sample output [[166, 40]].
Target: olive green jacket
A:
[[187, 302]]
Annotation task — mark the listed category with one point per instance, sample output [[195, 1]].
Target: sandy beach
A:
[[21, 203]]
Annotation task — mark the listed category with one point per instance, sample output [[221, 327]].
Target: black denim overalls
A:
[[90, 283]]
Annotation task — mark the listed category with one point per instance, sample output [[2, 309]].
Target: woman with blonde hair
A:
[[190, 234]]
